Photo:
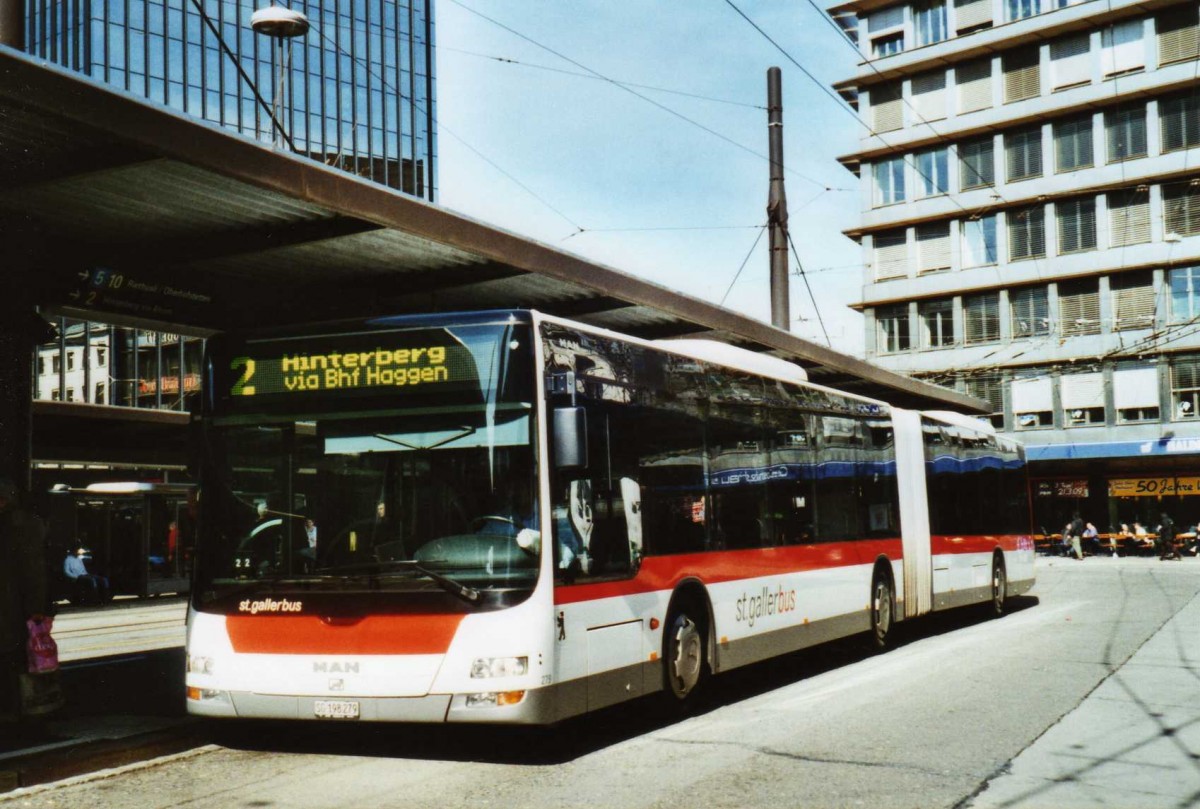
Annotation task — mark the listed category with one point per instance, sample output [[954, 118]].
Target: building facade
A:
[[360, 90], [1031, 231]]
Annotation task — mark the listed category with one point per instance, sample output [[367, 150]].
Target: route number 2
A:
[[246, 366]]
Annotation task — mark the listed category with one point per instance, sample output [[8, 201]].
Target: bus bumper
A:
[[537, 707]]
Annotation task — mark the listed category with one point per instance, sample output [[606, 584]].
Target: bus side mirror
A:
[[570, 438]]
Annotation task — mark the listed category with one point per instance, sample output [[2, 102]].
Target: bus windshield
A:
[[426, 503]]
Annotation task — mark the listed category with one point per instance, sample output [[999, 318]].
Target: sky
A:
[[547, 154]]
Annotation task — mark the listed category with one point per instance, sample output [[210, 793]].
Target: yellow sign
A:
[[1154, 487]]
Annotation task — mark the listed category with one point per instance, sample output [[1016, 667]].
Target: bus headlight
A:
[[199, 664], [485, 667]]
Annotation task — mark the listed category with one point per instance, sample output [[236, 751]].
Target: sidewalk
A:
[[119, 710], [1134, 742]]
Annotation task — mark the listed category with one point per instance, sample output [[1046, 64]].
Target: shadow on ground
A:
[[576, 737]]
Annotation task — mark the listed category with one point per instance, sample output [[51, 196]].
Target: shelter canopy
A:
[[116, 208]]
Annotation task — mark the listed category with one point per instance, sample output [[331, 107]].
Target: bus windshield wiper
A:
[[448, 584]]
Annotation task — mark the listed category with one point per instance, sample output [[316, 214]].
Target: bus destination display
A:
[[376, 367]]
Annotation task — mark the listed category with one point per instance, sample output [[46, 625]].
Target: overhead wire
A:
[[636, 94], [509, 61]]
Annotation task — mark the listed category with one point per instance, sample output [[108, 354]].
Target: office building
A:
[[360, 90], [1031, 231]]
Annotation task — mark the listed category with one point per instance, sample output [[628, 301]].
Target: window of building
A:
[[1076, 224], [981, 318], [101, 394], [973, 81], [1128, 217], [1073, 144], [1181, 208], [933, 246], [1026, 232], [991, 389], [971, 15], [1185, 293], [1123, 50], [1125, 133], [1079, 307], [1022, 78], [1032, 403], [893, 329], [885, 28], [70, 394], [56, 394], [977, 163], [1179, 120], [1132, 300], [101, 356], [1023, 153], [1070, 61], [1185, 388], [1178, 34], [937, 323], [979, 241], [1135, 394], [42, 365], [889, 181], [891, 254], [929, 95], [70, 360], [887, 45], [887, 108], [933, 172], [1020, 9], [1082, 398], [929, 21], [1030, 309]]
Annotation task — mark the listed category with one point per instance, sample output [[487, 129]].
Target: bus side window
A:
[[597, 531]]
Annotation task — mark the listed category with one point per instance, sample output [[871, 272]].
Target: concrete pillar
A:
[[12, 24]]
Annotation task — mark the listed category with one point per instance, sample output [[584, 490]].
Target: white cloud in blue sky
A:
[[609, 160]]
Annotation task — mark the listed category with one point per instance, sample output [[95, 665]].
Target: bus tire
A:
[[685, 662], [883, 610], [999, 587]]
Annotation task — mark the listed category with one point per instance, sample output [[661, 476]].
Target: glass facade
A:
[[96, 363], [360, 91]]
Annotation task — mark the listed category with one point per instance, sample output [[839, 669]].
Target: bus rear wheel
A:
[[881, 611], [999, 587], [684, 666]]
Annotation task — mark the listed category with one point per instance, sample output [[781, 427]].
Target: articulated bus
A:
[[507, 517]]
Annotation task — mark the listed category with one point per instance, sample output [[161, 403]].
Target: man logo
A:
[[320, 667], [337, 684]]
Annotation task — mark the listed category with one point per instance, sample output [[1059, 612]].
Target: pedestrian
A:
[[1075, 529], [22, 592], [1166, 538]]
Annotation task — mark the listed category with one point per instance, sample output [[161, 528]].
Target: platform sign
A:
[[137, 295]]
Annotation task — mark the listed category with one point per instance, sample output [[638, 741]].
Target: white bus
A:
[[508, 517]]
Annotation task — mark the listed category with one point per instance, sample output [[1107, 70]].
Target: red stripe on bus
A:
[[373, 635], [665, 572]]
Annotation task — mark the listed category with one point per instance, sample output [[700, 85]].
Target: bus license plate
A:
[[335, 709]]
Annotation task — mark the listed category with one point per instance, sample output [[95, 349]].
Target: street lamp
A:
[[280, 24]]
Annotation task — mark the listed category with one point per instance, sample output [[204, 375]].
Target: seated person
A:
[[85, 583]]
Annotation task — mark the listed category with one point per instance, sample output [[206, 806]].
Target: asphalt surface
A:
[[1087, 694]]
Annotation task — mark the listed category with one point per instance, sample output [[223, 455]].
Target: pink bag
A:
[[43, 651]]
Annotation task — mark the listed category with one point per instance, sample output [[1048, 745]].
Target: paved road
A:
[[952, 718]]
